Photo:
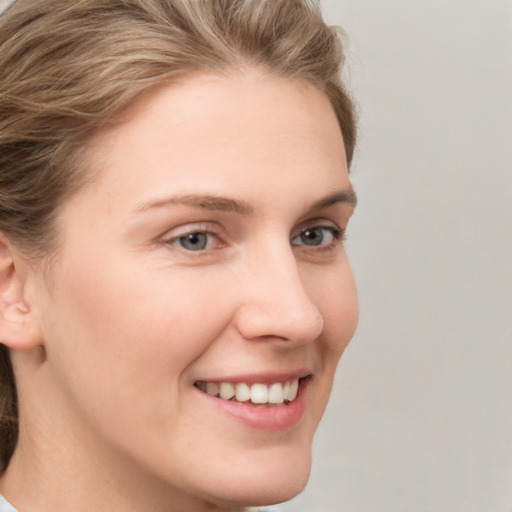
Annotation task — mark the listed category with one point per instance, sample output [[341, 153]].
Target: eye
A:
[[196, 241], [317, 236]]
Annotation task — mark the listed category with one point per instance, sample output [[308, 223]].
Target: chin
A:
[[269, 483], [274, 493]]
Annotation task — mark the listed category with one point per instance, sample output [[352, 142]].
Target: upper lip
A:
[[261, 378]]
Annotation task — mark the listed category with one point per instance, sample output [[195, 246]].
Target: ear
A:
[[19, 327]]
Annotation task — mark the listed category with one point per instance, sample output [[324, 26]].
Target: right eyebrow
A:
[[206, 202]]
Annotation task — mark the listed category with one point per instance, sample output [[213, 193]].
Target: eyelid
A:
[[172, 236], [336, 234], [318, 223], [191, 227], [175, 234], [327, 246]]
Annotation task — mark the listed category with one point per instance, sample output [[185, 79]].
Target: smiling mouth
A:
[[273, 394]]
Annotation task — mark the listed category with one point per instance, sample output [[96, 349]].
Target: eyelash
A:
[[337, 235], [196, 230]]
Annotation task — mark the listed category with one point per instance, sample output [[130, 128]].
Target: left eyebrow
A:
[[347, 196]]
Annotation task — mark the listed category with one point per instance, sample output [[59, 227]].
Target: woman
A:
[[175, 295]]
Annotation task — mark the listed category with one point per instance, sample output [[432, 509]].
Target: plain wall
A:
[[421, 414]]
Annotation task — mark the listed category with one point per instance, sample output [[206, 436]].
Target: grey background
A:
[[421, 414]]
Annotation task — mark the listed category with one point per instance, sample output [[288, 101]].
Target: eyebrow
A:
[[206, 202], [347, 196], [240, 207]]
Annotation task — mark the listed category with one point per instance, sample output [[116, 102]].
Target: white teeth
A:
[[276, 393], [243, 392], [226, 390], [292, 392], [259, 394]]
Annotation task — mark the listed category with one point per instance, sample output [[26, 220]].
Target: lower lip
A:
[[270, 418]]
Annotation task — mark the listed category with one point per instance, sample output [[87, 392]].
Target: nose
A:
[[275, 303]]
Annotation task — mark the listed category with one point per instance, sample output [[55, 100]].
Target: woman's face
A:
[[205, 258]]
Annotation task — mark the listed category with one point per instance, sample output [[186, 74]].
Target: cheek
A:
[[336, 297], [344, 313], [122, 341], [131, 328]]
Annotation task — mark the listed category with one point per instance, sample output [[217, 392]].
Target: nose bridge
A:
[[276, 303]]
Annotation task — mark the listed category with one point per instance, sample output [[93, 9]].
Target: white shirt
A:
[[6, 507]]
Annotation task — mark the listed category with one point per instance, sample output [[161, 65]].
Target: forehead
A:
[[253, 130]]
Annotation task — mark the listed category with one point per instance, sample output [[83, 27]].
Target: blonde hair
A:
[[68, 69]]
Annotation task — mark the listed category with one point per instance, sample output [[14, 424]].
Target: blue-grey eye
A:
[[315, 236], [194, 241]]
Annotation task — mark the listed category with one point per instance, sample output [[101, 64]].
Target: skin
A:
[[128, 319]]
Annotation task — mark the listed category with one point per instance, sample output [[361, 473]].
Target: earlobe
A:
[[19, 327]]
